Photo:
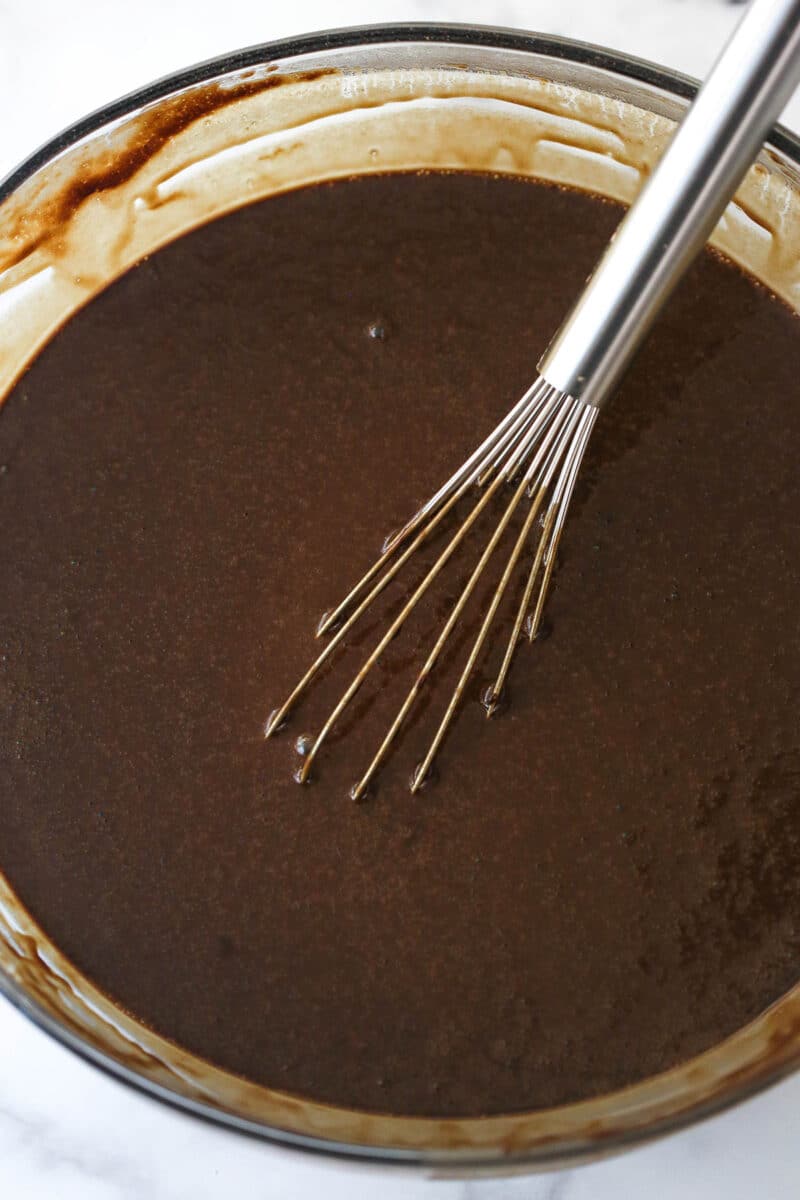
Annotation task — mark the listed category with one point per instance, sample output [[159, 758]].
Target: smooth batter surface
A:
[[601, 882]]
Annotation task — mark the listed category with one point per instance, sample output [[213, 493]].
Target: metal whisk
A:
[[540, 444]]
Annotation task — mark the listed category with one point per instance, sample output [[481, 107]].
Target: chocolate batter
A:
[[601, 882]]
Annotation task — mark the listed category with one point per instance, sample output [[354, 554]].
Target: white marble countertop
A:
[[66, 1131]]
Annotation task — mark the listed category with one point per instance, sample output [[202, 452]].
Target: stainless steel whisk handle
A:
[[718, 139]]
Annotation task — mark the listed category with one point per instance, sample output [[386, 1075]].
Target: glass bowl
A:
[[147, 168]]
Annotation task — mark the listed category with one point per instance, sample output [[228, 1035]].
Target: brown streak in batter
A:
[[150, 133]]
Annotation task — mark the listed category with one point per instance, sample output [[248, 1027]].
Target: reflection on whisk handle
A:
[[666, 228]]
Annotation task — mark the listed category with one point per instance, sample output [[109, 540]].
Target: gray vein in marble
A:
[[43, 1143]]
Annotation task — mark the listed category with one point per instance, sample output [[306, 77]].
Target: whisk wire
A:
[[546, 551], [562, 431]]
